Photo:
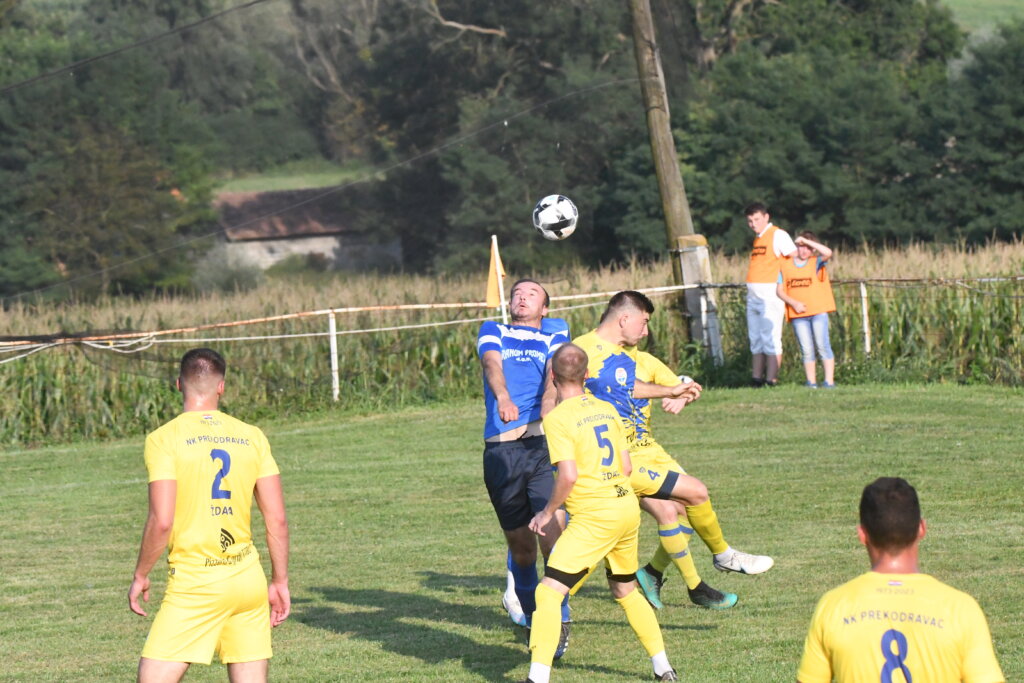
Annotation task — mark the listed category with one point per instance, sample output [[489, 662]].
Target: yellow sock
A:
[[703, 518], [660, 561], [546, 626], [675, 538], [642, 620]]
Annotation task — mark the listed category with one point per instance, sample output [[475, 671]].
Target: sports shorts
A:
[[230, 617], [654, 471], [610, 533], [518, 478]]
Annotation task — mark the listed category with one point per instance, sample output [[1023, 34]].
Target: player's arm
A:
[[550, 397], [824, 253], [797, 306], [627, 463], [159, 521], [564, 482], [270, 499], [494, 375]]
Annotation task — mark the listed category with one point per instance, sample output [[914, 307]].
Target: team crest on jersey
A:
[[226, 540], [620, 376]]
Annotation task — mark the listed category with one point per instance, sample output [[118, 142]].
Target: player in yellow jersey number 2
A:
[[205, 468]]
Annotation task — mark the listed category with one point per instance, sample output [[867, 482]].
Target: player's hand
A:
[[799, 307], [138, 587], [800, 240], [507, 410], [539, 521], [280, 602], [673, 406]]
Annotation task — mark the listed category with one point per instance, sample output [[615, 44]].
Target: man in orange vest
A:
[[765, 310]]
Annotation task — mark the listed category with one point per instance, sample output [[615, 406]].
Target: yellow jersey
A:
[[588, 430], [215, 460], [898, 628]]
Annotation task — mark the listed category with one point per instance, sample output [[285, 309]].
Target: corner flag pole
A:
[[496, 281]]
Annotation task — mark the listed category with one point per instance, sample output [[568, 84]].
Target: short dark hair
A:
[[755, 207], [569, 364], [890, 513], [628, 299], [201, 362], [808, 235], [547, 297]]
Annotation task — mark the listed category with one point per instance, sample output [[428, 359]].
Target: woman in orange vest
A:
[[805, 287]]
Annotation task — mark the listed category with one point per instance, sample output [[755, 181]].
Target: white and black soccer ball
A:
[[555, 217]]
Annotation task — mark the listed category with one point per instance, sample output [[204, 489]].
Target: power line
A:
[[145, 41]]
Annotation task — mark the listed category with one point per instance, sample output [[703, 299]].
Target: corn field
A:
[[961, 332]]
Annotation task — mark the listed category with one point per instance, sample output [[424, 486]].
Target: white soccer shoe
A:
[[510, 601], [733, 560]]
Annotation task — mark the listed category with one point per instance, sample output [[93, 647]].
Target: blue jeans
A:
[[812, 334]]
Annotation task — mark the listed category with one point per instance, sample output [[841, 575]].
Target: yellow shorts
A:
[[651, 463], [230, 617], [610, 533]]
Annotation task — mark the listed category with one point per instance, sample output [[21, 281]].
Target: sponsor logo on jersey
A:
[[620, 376], [226, 540]]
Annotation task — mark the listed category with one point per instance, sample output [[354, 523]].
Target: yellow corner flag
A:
[[495, 278]]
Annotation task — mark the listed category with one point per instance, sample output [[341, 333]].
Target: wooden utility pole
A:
[[690, 262]]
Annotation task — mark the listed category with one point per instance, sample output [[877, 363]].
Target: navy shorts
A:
[[518, 478]]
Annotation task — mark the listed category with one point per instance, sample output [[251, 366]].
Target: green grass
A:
[[295, 176], [398, 563], [980, 14]]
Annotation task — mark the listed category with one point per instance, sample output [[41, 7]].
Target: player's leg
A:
[[693, 494], [244, 644], [157, 671], [672, 550], [510, 601], [621, 571], [506, 477], [569, 565], [539, 489], [805, 338], [248, 672]]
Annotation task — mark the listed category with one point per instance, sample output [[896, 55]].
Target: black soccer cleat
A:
[[706, 596]]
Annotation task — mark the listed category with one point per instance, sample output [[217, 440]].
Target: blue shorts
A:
[[518, 478]]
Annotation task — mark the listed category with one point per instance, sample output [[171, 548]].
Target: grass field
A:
[[398, 563], [984, 14]]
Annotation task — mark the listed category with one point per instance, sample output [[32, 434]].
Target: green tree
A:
[[982, 174]]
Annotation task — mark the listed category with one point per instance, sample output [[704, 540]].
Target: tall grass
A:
[[922, 332]]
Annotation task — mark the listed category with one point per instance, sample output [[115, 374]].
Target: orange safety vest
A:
[[809, 286], [764, 264]]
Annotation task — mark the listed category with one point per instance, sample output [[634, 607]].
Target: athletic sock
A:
[[510, 582], [704, 520], [539, 673], [565, 608], [526, 584], [659, 562], [546, 626], [675, 538], [643, 622], [660, 663]]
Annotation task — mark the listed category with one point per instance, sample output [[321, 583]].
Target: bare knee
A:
[[523, 545], [664, 511], [690, 491]]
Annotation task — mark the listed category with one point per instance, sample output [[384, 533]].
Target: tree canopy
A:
[[864, 120]]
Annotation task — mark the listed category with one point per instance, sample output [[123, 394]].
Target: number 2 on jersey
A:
[[603, 442], [216, 492]]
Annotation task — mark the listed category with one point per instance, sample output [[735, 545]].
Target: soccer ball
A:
[[555, 217]]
